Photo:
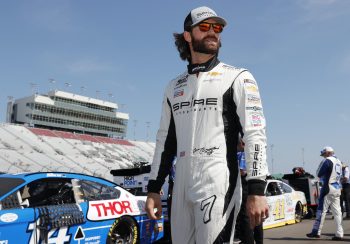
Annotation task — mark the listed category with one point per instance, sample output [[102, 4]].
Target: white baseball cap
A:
[[326, 149], [199, 14]]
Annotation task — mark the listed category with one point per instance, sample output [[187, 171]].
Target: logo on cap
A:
[[206, 14]]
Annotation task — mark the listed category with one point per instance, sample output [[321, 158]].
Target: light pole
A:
[[271, 146], [135, 123], [147, 131], [32, 87], [110, 95], [52, 82], [67, 84], [32, 106], [122, 105], [9, 109], [302, 155]]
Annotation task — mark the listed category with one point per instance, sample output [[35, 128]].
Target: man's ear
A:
[[187, 36]]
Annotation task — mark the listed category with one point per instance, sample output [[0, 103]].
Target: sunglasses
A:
[[205, 27]]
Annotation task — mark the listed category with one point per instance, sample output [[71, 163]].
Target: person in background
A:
[[244, 233], [329, 172], [203, 111], [345, 199]]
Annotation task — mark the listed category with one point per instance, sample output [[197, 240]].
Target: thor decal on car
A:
[[110, 209]]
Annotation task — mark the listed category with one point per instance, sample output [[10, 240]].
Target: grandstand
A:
[[66, 132], [28, 149], [64, 111]]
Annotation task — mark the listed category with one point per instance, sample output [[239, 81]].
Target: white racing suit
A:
[[330, 172], [203, 112]]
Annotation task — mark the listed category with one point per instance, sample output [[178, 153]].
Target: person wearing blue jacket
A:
[[329, 172]]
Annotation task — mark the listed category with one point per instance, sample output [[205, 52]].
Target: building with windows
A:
[[60, 110]]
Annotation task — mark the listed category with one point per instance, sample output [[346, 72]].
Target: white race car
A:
[[286, 206]]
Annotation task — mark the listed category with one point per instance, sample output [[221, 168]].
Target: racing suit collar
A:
[[204, 67]]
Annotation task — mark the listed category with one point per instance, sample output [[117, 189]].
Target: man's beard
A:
[[201, 46]]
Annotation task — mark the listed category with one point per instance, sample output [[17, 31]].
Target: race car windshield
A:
[[7, 184]]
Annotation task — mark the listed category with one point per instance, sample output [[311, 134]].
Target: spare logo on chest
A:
[[196, 104]]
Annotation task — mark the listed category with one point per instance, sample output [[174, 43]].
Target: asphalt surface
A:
[[296, 233]]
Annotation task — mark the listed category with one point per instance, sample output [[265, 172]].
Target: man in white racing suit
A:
[[203, 111], [329, 172]]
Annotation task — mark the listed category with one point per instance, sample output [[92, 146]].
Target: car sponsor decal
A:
[[129, 181], [289, 200], [110, 209], [8, 217], [92, 240], [55, 175], [290, 210]]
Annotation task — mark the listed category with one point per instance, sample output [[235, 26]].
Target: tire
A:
[[298, 212], [123, 231]]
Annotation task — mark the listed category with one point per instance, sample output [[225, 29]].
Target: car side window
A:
[[285, 188], [94, 191], [48, 192], [273, 189], [11, 202]]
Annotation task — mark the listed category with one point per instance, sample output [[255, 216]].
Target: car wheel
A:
[[123, 231], [298, 212]]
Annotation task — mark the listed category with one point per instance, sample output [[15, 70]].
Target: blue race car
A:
[[60, 208]]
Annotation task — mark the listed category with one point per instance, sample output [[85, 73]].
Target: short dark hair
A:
[[182, 46]]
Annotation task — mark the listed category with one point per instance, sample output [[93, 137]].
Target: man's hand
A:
[[153, 206], [257, 210]]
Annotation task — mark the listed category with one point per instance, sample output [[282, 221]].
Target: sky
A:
[[123, 51]]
